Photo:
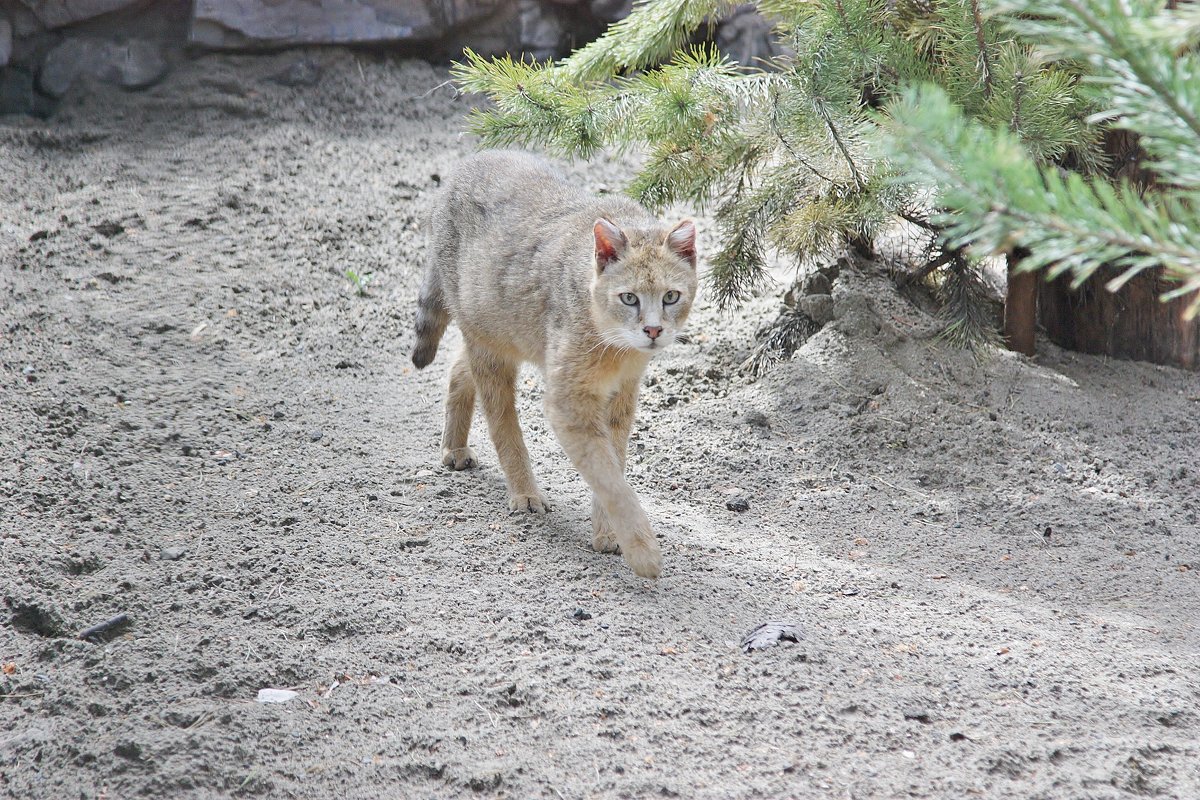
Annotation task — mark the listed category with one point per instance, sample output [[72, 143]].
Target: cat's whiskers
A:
[[615, 339]]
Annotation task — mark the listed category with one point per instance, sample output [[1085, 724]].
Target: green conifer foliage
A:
[[1143, 69]]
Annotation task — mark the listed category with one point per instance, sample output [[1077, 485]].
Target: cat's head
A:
[[644, 284]]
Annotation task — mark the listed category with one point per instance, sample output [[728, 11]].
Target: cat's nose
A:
[[653, 331]]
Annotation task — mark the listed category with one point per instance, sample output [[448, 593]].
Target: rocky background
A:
[[47, 47]]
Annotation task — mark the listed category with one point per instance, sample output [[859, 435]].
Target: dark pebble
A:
[[315, 436], [756, 419], [738, 504], [580, 614], [304, 72], [917, 715]]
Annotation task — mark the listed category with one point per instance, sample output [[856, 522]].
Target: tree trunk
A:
[[1020, 306], [1131, 323]]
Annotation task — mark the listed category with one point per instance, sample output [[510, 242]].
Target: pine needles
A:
[[779, 340]]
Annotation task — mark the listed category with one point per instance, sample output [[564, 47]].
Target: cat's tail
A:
[[432, 319]]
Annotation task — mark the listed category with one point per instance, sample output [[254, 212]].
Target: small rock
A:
[[818, 306], [422, 542], [738, 504], [276, 695], [917, 715], [134, 64], [756, 419], [580, 614], [817, 284], [315, 436], [172, 553], [304, 72], [770, 634]]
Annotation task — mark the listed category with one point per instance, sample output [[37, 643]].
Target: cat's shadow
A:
[[565, 532]]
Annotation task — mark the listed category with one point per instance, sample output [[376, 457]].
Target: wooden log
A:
[[1020, 307], [1130, 323]]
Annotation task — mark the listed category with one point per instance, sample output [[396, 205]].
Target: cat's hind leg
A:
[[496, 385], [460, 407]]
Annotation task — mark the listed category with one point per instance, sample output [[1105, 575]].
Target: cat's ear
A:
[[610, 243], [682, 241]]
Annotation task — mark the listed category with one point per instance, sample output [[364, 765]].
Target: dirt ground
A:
[[203, 425]]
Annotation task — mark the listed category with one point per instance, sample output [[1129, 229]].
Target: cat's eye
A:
[[628, 298], [670, 298]]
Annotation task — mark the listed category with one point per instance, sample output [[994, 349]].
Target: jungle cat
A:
[[533, 268]]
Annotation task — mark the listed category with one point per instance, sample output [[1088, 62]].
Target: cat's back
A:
[[501, 183]]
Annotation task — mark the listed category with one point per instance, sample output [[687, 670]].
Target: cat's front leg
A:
[[580, 421], [604, 538], [620, 415]]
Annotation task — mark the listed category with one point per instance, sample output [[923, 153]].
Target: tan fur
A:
[[534, 270]]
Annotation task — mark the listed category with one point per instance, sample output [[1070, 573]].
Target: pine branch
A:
[[779, 340], [968, 312], [985, 64], [926, 269], [1002, 198], [823, 113], [648, 35], [1148, 86]]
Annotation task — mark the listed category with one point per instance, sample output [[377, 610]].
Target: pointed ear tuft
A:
[[682, 241], [610, 243]]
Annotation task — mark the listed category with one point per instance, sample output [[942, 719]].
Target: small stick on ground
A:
[[104, 627], [901, 488], [491, 716]]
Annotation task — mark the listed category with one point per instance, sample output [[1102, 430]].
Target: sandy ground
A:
[[995, 563]]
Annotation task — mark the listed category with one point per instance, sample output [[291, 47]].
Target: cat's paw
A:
[[643, 557], [605, 541], [527, 503], [459, 458]]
